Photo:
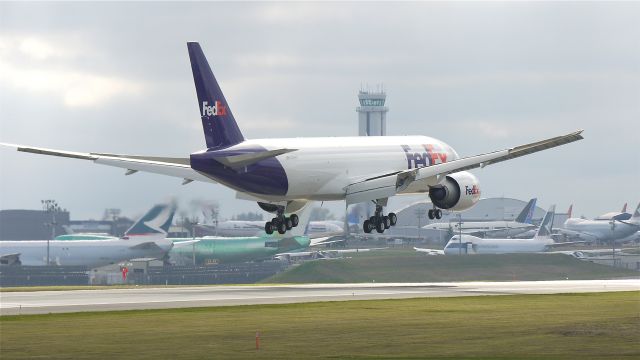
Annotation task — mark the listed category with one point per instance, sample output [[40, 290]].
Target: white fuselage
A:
[[91, 253], [601, 230], [321, 168], [474, 245], [492, 228], [238, 228]]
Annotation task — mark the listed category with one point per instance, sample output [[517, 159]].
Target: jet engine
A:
[[458, 191]]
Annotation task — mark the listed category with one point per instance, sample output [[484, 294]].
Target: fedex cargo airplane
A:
[[283, 175]]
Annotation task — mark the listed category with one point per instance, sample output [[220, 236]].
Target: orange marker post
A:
[[257, 340]]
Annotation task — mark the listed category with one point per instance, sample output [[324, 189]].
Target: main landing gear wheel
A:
[[282, 228], [393, 219], [367, 226], [268, 228], [379, 221], [435, 214], [281, 223]]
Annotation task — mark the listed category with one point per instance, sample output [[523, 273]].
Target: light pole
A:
[[613, 241], [52, 207], [459, 234]]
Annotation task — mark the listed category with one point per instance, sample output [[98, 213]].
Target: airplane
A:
[[622, 215], [542, 242], [145, 239], [615, 229], [501, 228], [238, 228], [223, 249], [282, 175]]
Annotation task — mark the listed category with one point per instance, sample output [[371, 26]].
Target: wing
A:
[[390, 184], [176, 167]]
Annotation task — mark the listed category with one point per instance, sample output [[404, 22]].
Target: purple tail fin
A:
[[220, 128]]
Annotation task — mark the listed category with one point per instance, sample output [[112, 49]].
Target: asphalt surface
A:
[[42, 302]]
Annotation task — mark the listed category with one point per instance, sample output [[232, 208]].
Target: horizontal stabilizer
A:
[[238, 161]]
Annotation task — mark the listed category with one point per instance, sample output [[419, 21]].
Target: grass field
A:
[[410, 266], [596, 325]]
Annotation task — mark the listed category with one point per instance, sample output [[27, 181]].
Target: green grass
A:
[[410, 266], [595, 325]]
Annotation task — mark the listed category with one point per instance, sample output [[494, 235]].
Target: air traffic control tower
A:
[[372, 114]]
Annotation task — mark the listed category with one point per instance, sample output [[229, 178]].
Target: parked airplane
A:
[[145, 239], [284, 174], [221, 249], [622, 215], [615, 229], [468, 244], [238, 228], [500, 228]]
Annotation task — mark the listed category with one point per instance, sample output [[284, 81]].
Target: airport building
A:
[[31, 224]]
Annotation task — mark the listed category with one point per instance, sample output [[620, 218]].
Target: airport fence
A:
[[43, 275], [242, 273]]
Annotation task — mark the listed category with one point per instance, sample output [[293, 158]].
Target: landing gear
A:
[[281, 223], [435, 214], [379, 222]]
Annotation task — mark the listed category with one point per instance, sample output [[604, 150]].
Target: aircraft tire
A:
[[282, 228], [268, 227], [367, 227], [380, 227], [393, 218], [295, 220], [437, 213], [430, 214], [288, 223], [386, 221]]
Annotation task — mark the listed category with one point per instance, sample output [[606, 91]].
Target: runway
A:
[[42, 302]]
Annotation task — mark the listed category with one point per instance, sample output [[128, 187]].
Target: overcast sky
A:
[[115, 77]]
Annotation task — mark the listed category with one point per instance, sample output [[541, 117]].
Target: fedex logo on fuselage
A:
[[430, 156], [213, 110], [474, 190]]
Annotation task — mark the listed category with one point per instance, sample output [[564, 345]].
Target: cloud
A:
[[28, 64]]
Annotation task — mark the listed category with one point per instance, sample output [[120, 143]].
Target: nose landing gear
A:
[[281, 223], [379, 221]]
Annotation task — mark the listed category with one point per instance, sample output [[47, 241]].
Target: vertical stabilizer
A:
[[526, 215], [547, 223], [155, 222], [569, 211], [220, 127], [624, 208]]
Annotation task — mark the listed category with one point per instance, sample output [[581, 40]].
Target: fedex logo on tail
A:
[[213, 110]]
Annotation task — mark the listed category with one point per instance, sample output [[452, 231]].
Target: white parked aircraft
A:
[[284, 174], [614, 229], [145, 239], [501, 228], [468, 244]]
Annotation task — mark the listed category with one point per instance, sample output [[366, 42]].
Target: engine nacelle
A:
[[457, 192]]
